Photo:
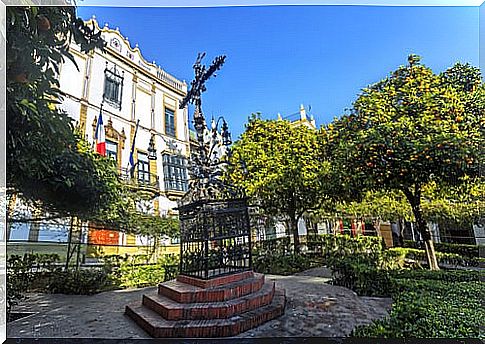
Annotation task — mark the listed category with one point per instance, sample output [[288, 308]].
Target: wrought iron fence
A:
[[215, 238]]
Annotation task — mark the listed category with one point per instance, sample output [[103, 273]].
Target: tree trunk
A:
[[292, 213], [69, 241], [80, 239], [415, 201], [296, 237]]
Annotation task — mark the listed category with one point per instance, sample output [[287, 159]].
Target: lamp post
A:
[[152, 151], [226, 137]]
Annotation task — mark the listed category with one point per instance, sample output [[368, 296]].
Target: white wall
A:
[[128, 62], [479, 231]]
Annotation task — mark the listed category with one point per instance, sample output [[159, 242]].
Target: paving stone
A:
[[56, 319]]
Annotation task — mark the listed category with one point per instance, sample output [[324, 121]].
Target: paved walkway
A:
[[314, 308]]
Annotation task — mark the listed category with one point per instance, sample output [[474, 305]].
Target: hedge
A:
[[442, 257], [438, 307], [468, 251]]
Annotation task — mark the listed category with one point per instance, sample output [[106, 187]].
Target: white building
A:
[[131, 89]]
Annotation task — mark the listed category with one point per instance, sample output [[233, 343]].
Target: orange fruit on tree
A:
[[21, 78], [43, 24]]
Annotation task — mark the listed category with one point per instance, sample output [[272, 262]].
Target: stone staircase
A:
[[223, 306]]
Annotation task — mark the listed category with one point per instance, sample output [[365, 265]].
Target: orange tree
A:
[[409, 130], [47, 162], [284, 169]]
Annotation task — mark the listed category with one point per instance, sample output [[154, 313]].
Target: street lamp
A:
[[152, 151], [226, 135]]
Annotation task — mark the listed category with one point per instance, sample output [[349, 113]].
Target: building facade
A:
[[300, 118], [139, 103], [129, 89]]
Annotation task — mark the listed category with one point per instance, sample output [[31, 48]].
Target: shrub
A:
[[329, 245], [443, 258], [22, 273], [79, 282], [281, 264], [361, 278], [19, 278], [466, 251], [429, 308], [274, 256], [277, 246], [131, 272], [440, 275]]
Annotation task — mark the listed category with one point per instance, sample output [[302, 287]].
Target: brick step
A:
[[186, 293], [172, 310], [159, 327], [217, 281]]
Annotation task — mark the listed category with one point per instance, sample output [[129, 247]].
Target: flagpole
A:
[[99, 135], [131, 161]]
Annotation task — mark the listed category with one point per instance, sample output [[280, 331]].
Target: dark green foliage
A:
[[372, 275], [276, 256], [22, 272], [41, 273], [442, 257], [432, 304], [19, 278], [281, 264], [281, 246], [44, 161], [441, 275], [79, 282], [425, 303], [329, 245], [360, 273], [466, 251], [134, 272]]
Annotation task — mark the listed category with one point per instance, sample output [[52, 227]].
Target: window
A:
[[175, 172], [112, 150], [113, 87], [169, 122], [143, 168]]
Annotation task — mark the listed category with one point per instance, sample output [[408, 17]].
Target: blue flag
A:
[[132, 159]]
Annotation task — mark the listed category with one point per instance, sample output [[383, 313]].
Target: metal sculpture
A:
[[215, 231], [207, 162]]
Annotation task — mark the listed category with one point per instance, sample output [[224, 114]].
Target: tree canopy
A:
[[48, 163], [412, 129], [46, 160], [284, 169]]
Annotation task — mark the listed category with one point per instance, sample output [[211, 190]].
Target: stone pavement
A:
[[314, 308]]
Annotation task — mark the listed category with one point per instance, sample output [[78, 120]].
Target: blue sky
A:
[[279, 57]]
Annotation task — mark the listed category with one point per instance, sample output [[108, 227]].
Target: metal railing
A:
[[139, 178]]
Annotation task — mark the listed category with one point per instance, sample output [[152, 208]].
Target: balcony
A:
[[142, 180]]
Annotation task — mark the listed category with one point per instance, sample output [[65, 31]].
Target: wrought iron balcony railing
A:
[[140, 179]]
